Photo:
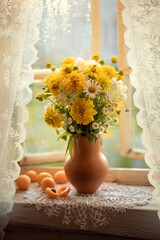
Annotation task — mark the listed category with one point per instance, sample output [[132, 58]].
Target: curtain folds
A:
[[18, 35], [143, 38]]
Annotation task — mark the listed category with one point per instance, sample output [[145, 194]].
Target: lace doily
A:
[[90, 211]]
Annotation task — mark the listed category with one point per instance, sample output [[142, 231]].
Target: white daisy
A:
[[92, 88], [105, 111], [108, 119], [95, 125], [112, 109], [109, 106], [69, 121], [101, 129], [106, 125], [115, 120], [71, 128]]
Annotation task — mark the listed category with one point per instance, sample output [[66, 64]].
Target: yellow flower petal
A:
[[53, 118], [75, 82], [82, 111]]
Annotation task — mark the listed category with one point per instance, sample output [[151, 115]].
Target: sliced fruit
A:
[[51, 192], [60, 177], [63, 191]]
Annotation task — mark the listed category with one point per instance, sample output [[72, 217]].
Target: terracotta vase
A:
[[88, 167]]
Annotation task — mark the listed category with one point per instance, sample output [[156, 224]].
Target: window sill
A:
[[139, 223]]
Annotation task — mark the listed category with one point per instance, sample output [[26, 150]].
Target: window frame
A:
[[120, 175]]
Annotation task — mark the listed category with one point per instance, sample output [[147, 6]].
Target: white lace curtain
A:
[[142, 36], [18, 35]]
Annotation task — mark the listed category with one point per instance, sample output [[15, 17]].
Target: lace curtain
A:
[[142, 36], [18, 34]]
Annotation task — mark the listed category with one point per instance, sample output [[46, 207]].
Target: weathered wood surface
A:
[[138, 223]]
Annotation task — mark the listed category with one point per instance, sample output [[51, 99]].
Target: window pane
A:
[[109, 48], [108, 28], [40, 137], [65, 31]]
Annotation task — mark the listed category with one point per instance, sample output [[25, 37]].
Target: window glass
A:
[[73, 38], [40, 137], [65, 31]]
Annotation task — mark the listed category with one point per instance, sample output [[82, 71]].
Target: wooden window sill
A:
[[140, 222]]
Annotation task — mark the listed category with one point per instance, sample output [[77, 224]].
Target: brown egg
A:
[[60, 177], [33, 175], [47, 182], [23, 182], [42, 175]]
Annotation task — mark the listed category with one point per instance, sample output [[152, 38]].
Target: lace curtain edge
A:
[[25, 79], [146, 133]]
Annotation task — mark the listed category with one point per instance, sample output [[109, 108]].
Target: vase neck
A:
[[82, 146]]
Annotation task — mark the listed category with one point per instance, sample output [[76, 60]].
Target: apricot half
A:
[[47, 182], [63, 191], [43, 175], [23, 182], [60, 177], [51, 192], [33, 175]]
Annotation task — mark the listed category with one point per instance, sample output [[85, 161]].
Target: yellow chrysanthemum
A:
[[54, 82], [92, 70], [82, 111], [110, 71], [69, 60], [114, 59], [75, 81], [95, 57], [103, 81], [53, 118], [66, 69]]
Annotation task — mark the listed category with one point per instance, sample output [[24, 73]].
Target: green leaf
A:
[[90, 139], [63, 136], [77, 142], [95, 136], [70, 147]]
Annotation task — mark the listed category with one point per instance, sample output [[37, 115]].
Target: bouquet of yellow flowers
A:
[[85, 96]]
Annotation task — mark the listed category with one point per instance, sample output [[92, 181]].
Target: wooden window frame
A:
[[120, 175]]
